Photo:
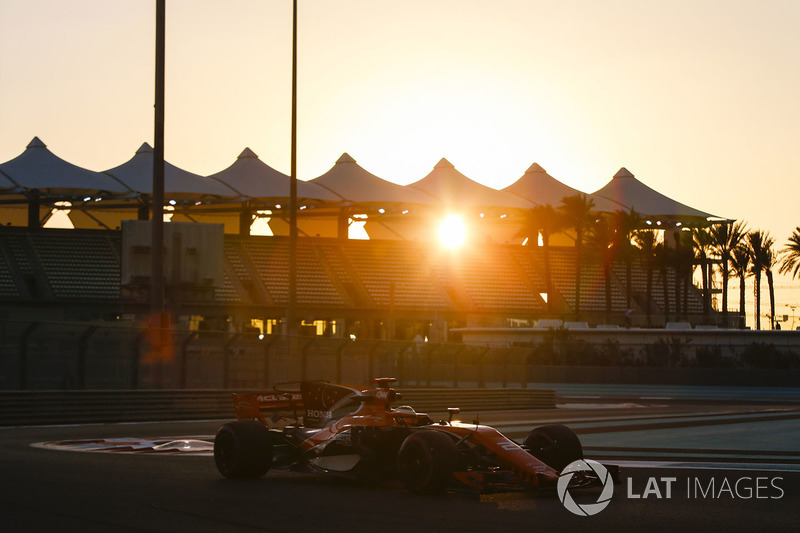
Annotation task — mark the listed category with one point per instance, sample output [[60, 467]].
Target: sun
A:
[[452, 231]]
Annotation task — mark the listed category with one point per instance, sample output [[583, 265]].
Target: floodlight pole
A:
[[157, 218], [291, 312], [158, 321]]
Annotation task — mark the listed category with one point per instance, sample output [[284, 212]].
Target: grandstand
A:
[[395, 285], [74, 274]]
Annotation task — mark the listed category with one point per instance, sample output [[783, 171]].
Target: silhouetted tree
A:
[[724, 240], [702, 244], [577, 210], [625, 223], [759, 245], [601, 243], [740, 264], [646, 241], [770, 262], [543, 220], [790, 264], [664, 260]]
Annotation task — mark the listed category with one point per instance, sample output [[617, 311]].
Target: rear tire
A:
[[426, 461], [243, 450], [554, 445]]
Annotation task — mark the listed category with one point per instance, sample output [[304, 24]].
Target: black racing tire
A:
[[243, 450], [554, 445], [426, 461]]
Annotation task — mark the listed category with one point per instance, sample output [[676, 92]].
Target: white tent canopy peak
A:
[[36, 142], [145, 149], [247, 153], [345, 158], [535, 168], [623, 173]]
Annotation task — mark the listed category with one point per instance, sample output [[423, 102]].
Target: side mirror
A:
[[452, 411]]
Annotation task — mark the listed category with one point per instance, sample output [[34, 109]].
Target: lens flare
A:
[[452, 231]]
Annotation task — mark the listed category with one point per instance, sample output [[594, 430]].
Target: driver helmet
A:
[[407, 413]]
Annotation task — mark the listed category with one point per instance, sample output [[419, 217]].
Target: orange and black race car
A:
[[351, 432]]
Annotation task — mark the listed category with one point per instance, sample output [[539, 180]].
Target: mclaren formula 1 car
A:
[[351, 432]]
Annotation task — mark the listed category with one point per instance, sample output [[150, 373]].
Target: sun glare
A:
[[356, 228], [452, 232]]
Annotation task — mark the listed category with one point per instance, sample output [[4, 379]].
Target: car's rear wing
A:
[[266, 407], [318, 402]]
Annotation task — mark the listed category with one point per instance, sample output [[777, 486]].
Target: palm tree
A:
[[625, 223], [759, 245], [601, 242], [577, 211], [724, 240], [770, 262], [701, 240], [646, 241], [740, 264], [543, 220], [791, 255], [663, 258], [682, 258]]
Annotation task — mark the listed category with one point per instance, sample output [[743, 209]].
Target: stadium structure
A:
[[399, 283]]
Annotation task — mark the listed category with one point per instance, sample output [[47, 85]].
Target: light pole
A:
[[291, 311], [157, 218]]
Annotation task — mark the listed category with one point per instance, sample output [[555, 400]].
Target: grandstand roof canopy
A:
[[7, 185], [39, 168], [137, 174], [455, 189], [631, 193], [346, 184], [540, 188], [253, 178], [354, 184]]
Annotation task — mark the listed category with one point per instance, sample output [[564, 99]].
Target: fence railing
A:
[[64, 356], [100, 356]]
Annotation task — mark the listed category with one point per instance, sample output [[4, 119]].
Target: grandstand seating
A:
[[7, 286], [270, 256], [393, 273], [499, 280], [489, 277]]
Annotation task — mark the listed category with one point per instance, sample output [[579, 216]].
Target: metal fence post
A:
[[185, 357], [267, 345], [23, 354], [401, 365], [482, 367], [226, 354], [83, 344], [505, 368], [304, 357], [525, 371], [339, 355], [136, 359], [455, 365]]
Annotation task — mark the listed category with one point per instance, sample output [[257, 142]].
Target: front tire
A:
[[243, 450], [426, 461], [554, 445]]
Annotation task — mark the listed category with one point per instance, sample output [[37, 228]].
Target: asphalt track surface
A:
[[52, 490]]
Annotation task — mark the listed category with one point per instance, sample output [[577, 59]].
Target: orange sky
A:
[[698, 98]]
